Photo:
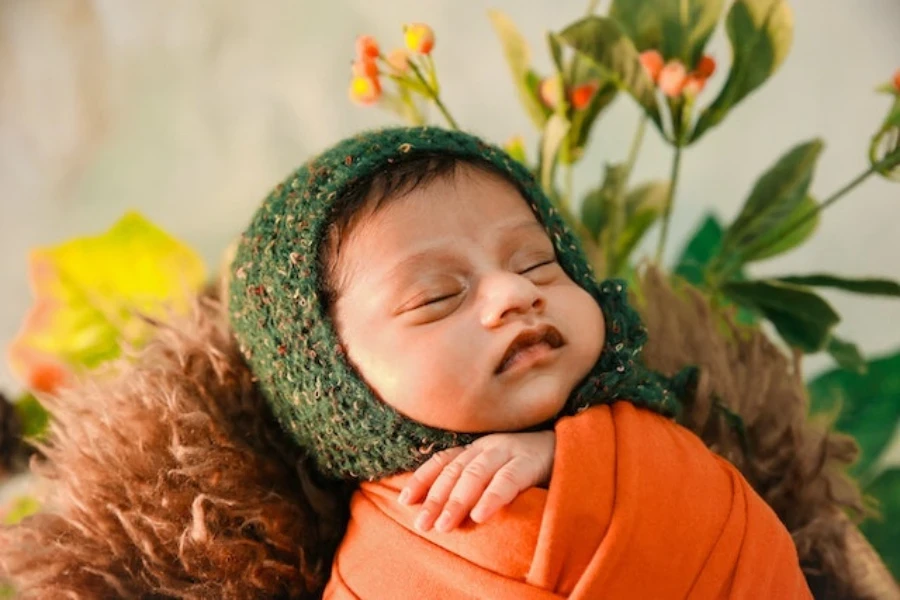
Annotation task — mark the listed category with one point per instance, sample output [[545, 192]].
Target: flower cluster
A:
[[673, 78], [365, 86]]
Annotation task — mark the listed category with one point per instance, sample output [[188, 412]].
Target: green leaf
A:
[[19, 508], [700, 250], [793, 231], [554, 135], [884, 150], [597, 206], [870, 286], [760, 32], [603, 42], [884, 531], [32, 415], [801, 317], [869, 405], [677, 28], [518, 57], [846, 355], [644, 205], [90, 291], [773, 203]]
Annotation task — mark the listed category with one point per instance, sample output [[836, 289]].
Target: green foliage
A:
[[760, 32], [867, 405], [602, 41], [801, 317], [32, 415], [677, 28], [518, 57], [883, 532], [778, 199]]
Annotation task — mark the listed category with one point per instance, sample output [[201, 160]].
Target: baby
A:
[[448, 297], [411, 301]]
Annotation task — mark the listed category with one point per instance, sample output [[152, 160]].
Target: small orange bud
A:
[[897, 80], [693, 84], [364, 90], [706, 67], [652, 61], [366, 48], [549, 90], [365, 68], [582, 95], [47, 378], [398, 59], [672, 78], [419, 37]]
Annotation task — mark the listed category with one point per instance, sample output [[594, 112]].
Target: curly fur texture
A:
[[793, 461], [169, 479]]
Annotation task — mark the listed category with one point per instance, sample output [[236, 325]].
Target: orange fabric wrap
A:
[[637, 507]]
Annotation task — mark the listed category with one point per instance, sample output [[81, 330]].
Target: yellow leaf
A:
[[89, 293]]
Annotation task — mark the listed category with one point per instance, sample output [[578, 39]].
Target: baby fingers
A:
[[458, 488], [505, 485]]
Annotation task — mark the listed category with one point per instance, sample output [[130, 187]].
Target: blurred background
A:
[[188, 112]]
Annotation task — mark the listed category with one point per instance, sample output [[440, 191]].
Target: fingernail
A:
[[420, 520], [404, 496], [443, 523]]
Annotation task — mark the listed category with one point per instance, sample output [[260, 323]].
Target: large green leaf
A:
[[700, 250], [868, 404], [846, 355], [883, 532], [870, 286], [677, 28], [773, 203], [795, 229], [518, 57], [801, 317], [32, 415], [760, 32], [602, 41], [91, 292]]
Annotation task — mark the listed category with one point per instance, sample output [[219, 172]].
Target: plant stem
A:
[[434, 95], [618, 208], [670, 199], [833, 198], [569, 186], [592, 7]]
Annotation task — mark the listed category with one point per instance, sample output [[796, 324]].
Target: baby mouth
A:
[[532, 343]]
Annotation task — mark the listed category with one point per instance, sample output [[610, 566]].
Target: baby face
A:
[[455, 311]]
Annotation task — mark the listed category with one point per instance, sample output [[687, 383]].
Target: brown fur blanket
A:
[[169, 479]]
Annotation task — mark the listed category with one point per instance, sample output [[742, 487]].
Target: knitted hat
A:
[[290, 342]]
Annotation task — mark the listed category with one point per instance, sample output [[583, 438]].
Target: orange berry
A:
[[398, 59], [364, 90], [46, 378], [652, 61], [672, 78], [365, 68], [693, 84], [582, 95], [897, 80], [419, 37], [706, 67], [366, 48], [549, 91]]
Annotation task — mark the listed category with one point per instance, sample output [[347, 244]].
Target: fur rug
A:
[[170, 480]]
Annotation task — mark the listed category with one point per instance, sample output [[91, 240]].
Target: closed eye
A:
[[435, 300], [538, 266]]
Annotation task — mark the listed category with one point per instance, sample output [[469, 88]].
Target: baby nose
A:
[[508, 294]]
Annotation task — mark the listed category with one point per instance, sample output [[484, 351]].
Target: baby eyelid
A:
[[542, 263]]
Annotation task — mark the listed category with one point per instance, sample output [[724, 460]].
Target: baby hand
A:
[[488, 474]]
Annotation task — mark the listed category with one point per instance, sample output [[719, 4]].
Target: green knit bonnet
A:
[[284, 331]]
